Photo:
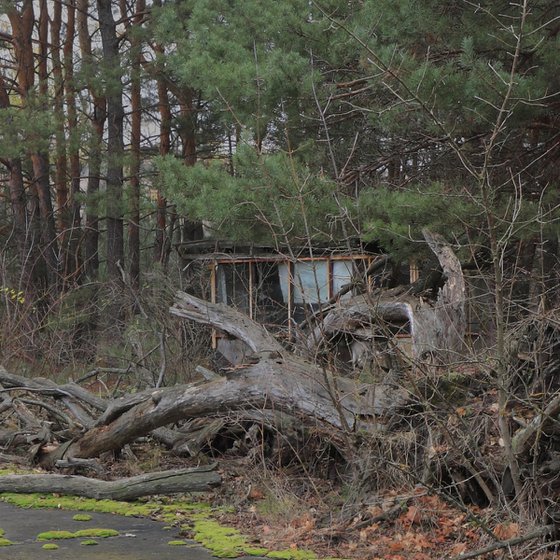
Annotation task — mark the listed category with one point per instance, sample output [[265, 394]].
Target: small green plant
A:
[[88, 542], [50, 546], [5, 542], [176, 543]]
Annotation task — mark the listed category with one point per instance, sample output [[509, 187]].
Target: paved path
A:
[[140, 539]]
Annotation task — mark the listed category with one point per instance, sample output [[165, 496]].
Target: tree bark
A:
[[73, 264], [61, 186], [98, 117], [135, 140], [40, 159], [164, 149], [22, 22], [115, 116]]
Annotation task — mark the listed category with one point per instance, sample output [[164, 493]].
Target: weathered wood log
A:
[[436, 327], [276, 381], [199, 479], [227, 320], [279, 380], [262, 385]]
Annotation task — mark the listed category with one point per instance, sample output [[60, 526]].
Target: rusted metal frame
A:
[[213, 298], [251, 281]]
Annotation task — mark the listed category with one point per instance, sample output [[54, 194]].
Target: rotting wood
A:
[[198, 479], [437, 328], [227, 320], [276, 379]]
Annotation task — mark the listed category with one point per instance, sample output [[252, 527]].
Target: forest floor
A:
[[280, 514], [288, 510]]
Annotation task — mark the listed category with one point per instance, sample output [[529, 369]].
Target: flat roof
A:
[[230, 251]]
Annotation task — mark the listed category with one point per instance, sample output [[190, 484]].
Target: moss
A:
[[168, 511], [5, 542], [72, 502], [2, 532], [176, 543], [223, 542], [82, 517], [89, 542], [96, 533], [292, 554], [55, 535], [50, 546], [84, 533], [256, 551]]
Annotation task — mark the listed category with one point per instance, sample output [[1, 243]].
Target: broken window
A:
[[232, 285], [270, 306]]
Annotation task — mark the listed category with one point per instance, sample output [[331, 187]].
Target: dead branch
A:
[[540, 532], [227, 320]]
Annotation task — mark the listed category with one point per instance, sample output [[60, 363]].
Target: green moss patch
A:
[[84, 533], [2, 532], [55, 535], [167, 511], [96, 533], [5, 542], [50, 546], [177, 543], [82, 517], [293, 554], [223, 542], [89, 542]]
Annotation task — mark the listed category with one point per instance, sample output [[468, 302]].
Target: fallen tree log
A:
[[278, 380], [199, 479]]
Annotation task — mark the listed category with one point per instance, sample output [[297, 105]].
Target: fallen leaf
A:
[[458, 548], [506, 531], [412, 516]]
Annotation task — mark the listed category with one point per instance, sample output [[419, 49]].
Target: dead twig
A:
[[540, 532]]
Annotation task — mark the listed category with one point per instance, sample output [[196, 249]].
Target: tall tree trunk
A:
[[15, 186], [164, 149], [40, 159], [61, 186], [22, 22], [135, 139], [192, 230], [73, 263], [115, 115], [91, 243]]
